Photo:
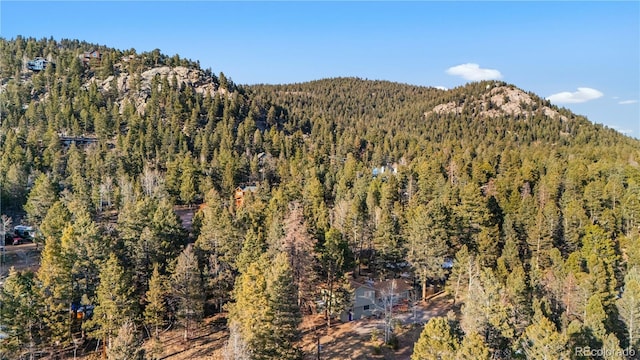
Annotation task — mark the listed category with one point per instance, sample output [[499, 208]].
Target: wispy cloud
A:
[[622, 131], [627, 102], [474, 72], [441, 88], [583, 94]]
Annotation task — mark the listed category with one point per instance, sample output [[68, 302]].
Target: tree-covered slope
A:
[[539, 207]]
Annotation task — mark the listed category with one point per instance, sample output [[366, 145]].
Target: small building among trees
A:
[[39, 64], [90, 57], [240, 193], [370, 297]]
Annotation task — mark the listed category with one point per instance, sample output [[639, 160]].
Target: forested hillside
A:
[[298, 189]]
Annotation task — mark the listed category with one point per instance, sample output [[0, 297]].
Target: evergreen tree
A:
[[85, 249], [284, 313], [335, 259], [219, 279], [20, 313], [542, 234], [601, 259], [252, 249], [485, 312], [629, 306], [488, 242], [186, 287], [55, 221], [542, 341], [41, 197], [388, 245], [427, 243], [473, 347], [437, 341], [611, 348], [465, 272], [249, 311], [55, 278], [114, 303], [594, 320], [188, 180], [218, 235], [156, 310]]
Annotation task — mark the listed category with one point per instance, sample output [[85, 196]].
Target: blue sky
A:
[[581, 55]]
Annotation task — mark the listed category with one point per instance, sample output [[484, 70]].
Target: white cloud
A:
[[441, 88], [627, 102], [474, 72], [622, 131], [583, 94]]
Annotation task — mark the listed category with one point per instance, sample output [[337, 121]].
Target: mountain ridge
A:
[[519, 104], [341, 178]]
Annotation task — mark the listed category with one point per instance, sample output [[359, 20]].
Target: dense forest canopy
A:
[[538, 207]]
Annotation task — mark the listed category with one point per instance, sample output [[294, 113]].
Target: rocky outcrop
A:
[[499, 101], [137, 88]]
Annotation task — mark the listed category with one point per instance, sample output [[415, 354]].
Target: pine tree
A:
[[594, 321], [218, 235], [335, 260], [188, 180], [41, 197], [629, 305], [542, 341], [15, 184], [249, 311], [542, 234], [601, 257], [472, 212], [152, 233], [427, 242], [488, 243], [511, 256], [168, 231], [55, 221], [465, 272], [284, 313], [519, 297], [388, 245], [186, 287], [219, 279], [155, 311], [85, 250], [437, 341], [20, 311], [473, 347], [56, 289], [611, 348], [114, 300], [253, 248], [486, 313]]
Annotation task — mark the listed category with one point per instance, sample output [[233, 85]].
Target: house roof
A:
[[381, 286], [356, 284], [399, 286]]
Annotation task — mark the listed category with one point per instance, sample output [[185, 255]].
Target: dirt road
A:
[[21, 257]]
